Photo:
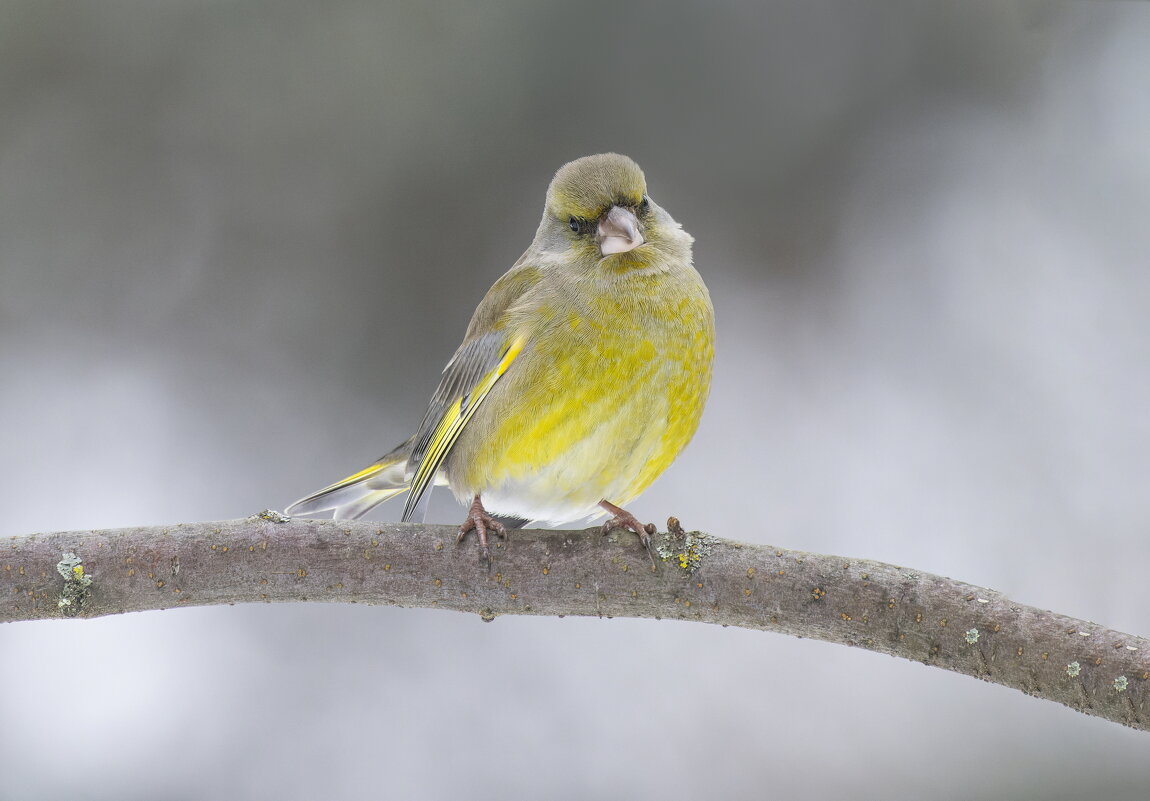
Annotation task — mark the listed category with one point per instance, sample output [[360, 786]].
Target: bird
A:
[[582, 374]]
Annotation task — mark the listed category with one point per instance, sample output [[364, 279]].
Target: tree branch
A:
[[880, 607]]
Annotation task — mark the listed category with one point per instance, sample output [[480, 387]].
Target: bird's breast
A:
[[605, 396]]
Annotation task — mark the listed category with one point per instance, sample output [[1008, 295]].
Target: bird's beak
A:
[[618, 231]]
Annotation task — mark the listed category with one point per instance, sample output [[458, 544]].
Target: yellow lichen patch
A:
[[818, 593], [302, 572], [750, 572], [942, 622], [845, 616], [546, 570], [438, 582]]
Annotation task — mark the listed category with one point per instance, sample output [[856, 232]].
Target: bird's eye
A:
[[644, 204], [574, 224]]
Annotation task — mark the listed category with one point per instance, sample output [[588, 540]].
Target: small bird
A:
[[583, 373]]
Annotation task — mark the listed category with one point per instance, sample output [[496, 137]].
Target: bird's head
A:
[[601, 205]]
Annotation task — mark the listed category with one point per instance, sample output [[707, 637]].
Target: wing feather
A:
[[466, 382]]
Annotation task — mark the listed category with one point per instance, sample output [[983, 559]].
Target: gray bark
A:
[[893, 610]]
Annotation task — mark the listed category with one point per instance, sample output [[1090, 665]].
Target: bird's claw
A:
[[480, 522], [621, 518]]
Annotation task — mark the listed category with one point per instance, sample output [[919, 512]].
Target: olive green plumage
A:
[[583, 372]]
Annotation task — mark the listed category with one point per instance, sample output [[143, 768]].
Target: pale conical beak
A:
[[619, 231]]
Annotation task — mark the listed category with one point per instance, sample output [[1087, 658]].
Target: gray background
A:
[[238, 241]]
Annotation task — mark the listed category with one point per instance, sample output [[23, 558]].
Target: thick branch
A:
[[880, 607]]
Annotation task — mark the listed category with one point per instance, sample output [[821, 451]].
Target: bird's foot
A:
[[621, 518], [480, 522]]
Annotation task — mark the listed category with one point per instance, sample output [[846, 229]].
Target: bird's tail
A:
[[360, 492]]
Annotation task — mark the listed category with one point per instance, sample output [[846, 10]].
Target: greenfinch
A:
[[582, 375]]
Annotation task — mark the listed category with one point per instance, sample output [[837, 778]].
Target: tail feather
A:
[[360, 492], [365, 503]]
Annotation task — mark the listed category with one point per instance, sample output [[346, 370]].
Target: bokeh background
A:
[[238, 241]]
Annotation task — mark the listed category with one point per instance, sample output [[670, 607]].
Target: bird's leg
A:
[[621, 518], [479, 521]]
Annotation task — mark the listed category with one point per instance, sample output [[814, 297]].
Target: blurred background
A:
[[239, 240]]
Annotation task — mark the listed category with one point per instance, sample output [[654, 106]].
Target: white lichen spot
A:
[[1073, 669], [688, 549], [1084, 634], [983, 600], [272, 516], [71, 568], [971, 636], [1131, 648], [76, 584], [1121, 683]]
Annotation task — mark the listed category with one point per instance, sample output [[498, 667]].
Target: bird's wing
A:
[[485, 355], [467, 380]]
